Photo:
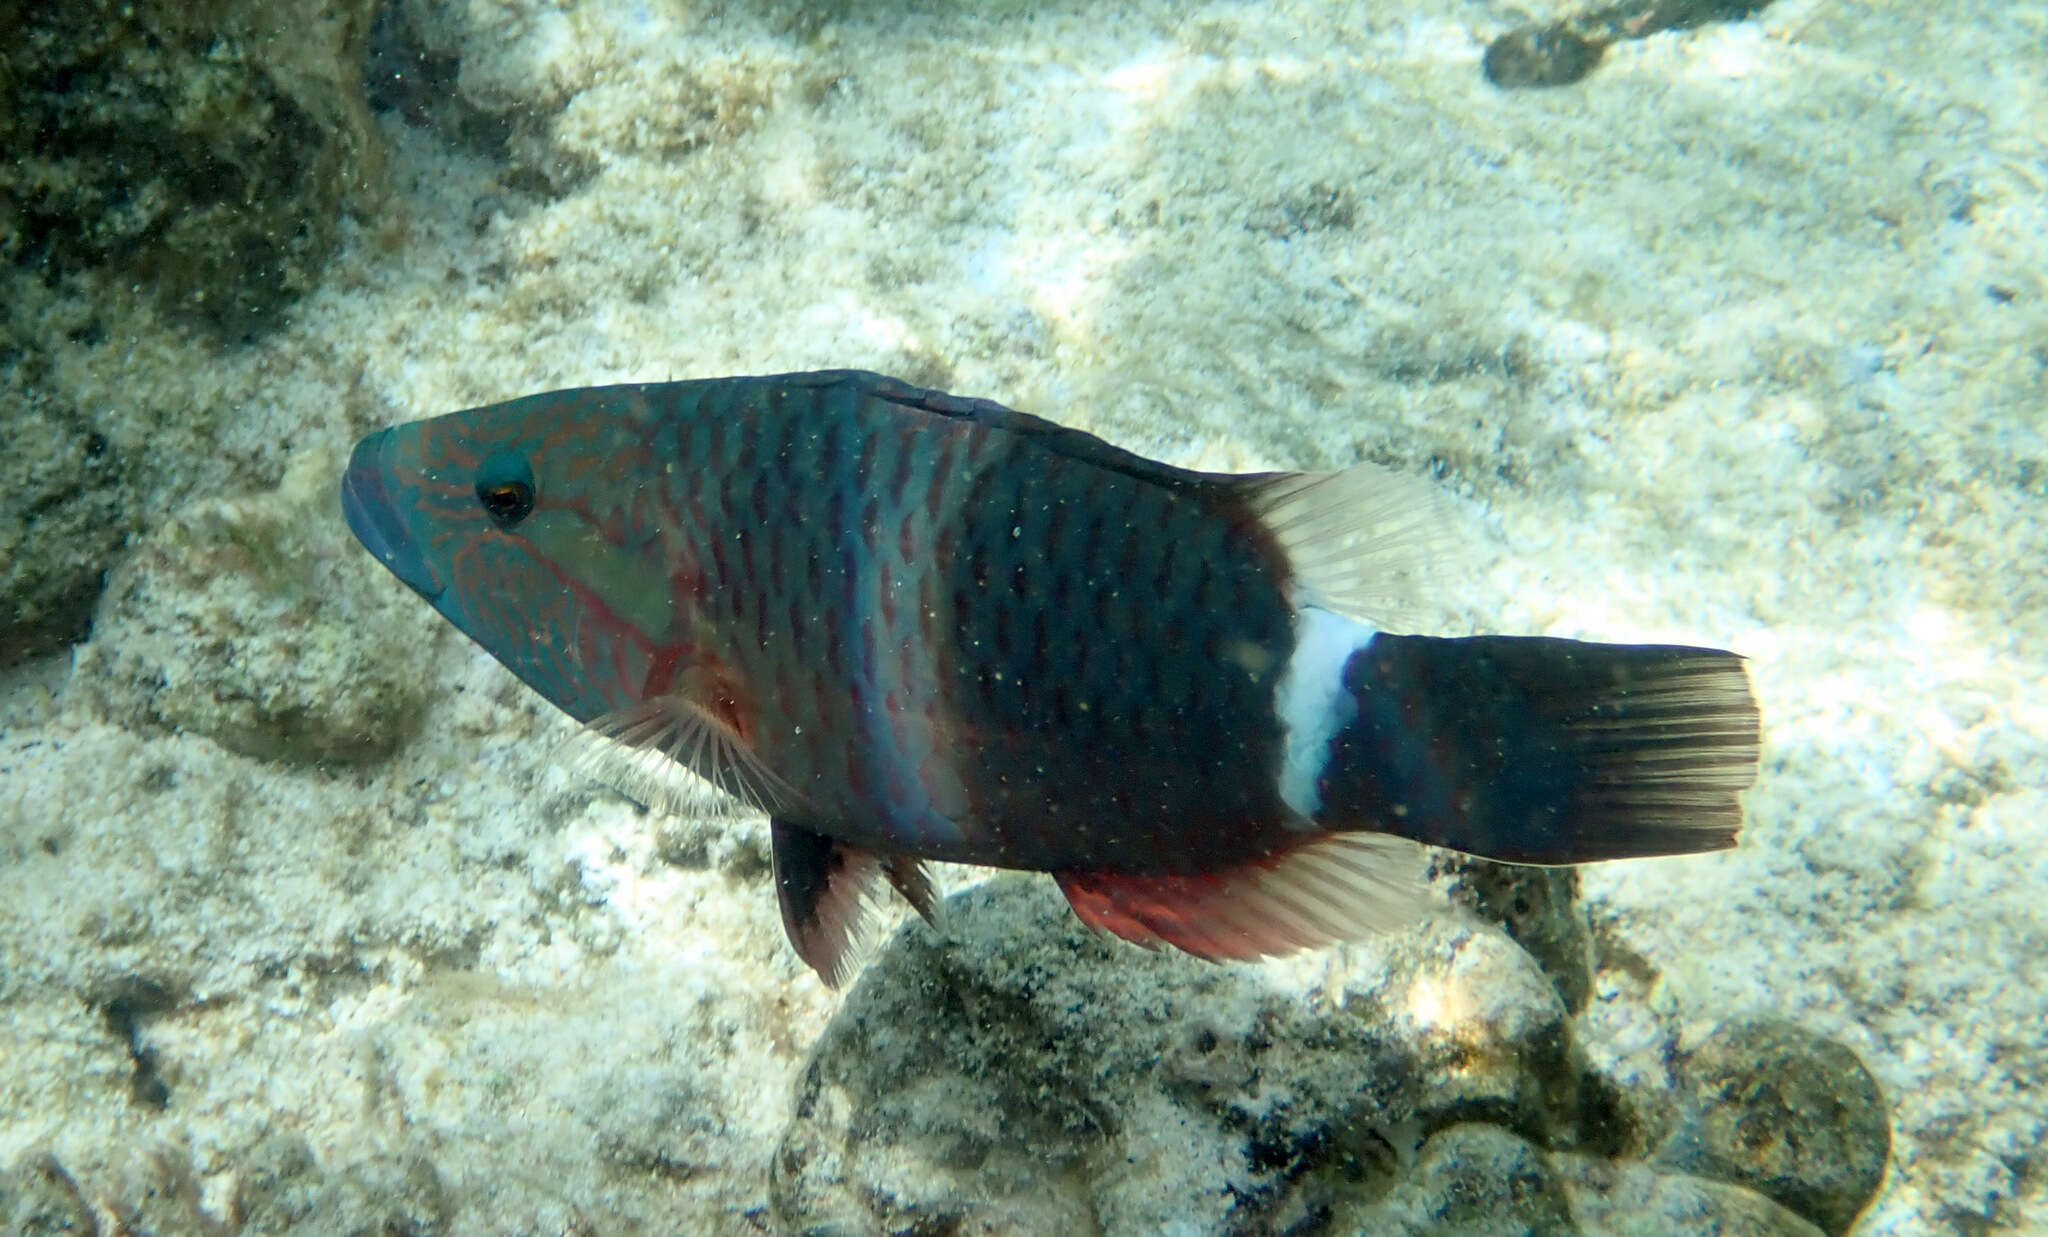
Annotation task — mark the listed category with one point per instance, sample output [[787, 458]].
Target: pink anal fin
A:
[[827, 891], [1327, 888]]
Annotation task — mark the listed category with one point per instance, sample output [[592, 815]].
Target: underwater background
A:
[[1722, 323]]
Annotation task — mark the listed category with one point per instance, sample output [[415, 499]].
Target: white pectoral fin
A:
[[668, 754]]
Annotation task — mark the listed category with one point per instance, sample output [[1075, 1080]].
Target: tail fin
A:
[[1534, 750]]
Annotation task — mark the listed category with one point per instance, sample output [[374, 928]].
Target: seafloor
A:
[[1739, 341]]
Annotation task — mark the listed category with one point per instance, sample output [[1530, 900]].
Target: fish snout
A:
[[372, 516]]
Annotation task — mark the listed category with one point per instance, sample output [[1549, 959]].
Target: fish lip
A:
[[366, 505]]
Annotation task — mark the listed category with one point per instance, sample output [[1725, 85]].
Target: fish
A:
[[914, 627]]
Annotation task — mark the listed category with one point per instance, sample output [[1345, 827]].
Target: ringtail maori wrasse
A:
[[913, 626]]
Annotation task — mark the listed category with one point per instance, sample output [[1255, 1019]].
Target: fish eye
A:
[[504, 485]]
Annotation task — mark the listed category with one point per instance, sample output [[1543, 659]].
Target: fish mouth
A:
[[366, 505]]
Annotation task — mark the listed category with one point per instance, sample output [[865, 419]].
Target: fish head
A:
[[529, 525]]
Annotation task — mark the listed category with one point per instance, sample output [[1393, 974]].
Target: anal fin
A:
[[827, 891], [1327, 888]]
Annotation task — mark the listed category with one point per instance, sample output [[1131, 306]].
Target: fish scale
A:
[[818, 628], [921, 627], [1161, 739]]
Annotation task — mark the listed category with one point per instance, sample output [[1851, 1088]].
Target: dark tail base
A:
[[1533, 750]]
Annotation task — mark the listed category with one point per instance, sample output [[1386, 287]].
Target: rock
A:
[[1021, 1074], [1017, 1074], [452, 70], [277, 1186], [39, 1198], [1611, 1198], [1788, 1113], [1473, 1180], [1540, 909], [1468, 1181], [192, 161], [202, 152], [223, 623], [66, 504], [1534, 56], [279, 1190], [651, 1121], [1563, 52], [400, 1193]]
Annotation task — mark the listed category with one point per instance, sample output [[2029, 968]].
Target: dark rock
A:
[[1539, 908], [1625, 1198], [282, 1190], [189, 158], [1790, 1114], [1540, 56], [205, 150], [1021, 1074], [66, 506], [279, 1190], [1476, 1180], [655, 1122], [1565, 51], [1472, 1181], [414, 68]]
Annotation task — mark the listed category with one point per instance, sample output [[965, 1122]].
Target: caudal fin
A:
[[1536, 750]]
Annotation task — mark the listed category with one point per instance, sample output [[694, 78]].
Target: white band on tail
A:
[[1311, 702]]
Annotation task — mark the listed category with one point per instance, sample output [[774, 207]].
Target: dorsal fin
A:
[[1331, 887], [1064, 440], [828, 894], [1366, 542]]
